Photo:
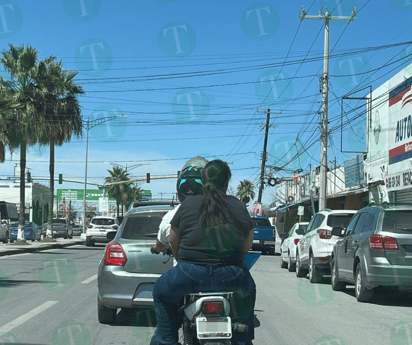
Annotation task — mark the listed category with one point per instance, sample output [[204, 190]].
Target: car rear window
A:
[[339, 220], [301, 229], [103, 221], [142, 225], [59, 221], [261, 222], [397, 221]]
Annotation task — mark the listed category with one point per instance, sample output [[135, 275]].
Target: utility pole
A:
[[326, 17]]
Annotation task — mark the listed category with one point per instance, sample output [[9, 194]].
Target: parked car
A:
[[31, 231], [98, 228], [374, 250], [61, 228], [288, 246], [128, 270], [314, 250], [4, 231], [264, 235]]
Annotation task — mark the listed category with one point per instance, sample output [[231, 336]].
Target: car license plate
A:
[[214, 327], [102, 229]]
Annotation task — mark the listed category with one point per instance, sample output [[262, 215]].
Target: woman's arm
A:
[[249, 241], [174, 240]]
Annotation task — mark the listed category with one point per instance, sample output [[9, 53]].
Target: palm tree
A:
[[21, 63], [134, 194], [7, 108], [60, 107], [245, 191], [119, 191]]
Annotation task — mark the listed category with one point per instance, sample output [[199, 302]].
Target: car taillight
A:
[[212, 307], [115, 255], [90, 226], [379, 242], [296, 241], [28, 230], [324, 234], [115, 227]]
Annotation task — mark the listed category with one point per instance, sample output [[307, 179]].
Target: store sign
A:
[[354, 172], [399, 181]]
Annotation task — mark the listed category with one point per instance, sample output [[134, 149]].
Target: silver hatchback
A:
[[128, 270]]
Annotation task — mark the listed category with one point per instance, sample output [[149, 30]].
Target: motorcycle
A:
[[207, 316]]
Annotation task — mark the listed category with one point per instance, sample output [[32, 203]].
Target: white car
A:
[[314, 250], [288, 246], [98, 228]]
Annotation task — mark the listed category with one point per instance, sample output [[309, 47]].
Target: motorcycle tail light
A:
[[212, 307]]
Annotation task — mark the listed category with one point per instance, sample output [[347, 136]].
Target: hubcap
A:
[[311, 268], [358, 283]]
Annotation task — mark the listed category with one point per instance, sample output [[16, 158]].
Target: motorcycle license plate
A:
[[214, 327]]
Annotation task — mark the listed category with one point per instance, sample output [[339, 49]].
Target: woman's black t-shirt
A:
[[216, 243]]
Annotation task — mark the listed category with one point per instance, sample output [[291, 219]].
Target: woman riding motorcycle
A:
[[209, 235]]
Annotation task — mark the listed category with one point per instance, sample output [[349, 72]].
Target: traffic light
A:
[[60, 178], [148, 178], [28, 177]]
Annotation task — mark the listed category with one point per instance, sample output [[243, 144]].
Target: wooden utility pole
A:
[[262, 171]]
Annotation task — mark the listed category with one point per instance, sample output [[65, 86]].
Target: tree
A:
[[245, 191], [21, 63], [118, 191], [60, 107], [7, 109], [134, 194]]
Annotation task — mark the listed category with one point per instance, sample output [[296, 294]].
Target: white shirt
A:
[[163, 236]]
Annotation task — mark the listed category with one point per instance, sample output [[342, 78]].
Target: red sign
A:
[[64, 209]]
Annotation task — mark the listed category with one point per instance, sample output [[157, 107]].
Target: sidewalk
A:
[[31, 247]]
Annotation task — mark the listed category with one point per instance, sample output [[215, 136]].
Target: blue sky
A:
[[195, 79]]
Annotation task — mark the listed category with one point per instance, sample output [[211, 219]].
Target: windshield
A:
[[339, 220], [397, 221], [261, 222], [301, 229], [143, 225], [59, 221], [103, 221]]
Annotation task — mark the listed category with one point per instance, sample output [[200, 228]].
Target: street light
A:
[[89, 125], [127, 168]]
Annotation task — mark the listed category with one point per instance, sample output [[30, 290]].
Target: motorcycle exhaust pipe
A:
[[240, 327]]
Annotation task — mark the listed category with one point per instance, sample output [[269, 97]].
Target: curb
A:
[[38, 249]]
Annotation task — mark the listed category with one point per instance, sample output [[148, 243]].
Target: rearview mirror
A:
[[337, 231], [111, 235]]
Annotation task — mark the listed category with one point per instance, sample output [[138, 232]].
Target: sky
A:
[[196, 78]]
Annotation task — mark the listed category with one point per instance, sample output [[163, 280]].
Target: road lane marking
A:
[[17, 322], [87, 281]]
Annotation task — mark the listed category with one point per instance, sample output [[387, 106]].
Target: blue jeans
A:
[[185, 278]]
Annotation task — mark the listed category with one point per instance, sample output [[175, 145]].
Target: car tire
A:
[[272, 251], [291, 265], [283, 264], [361, 292], [314, 275], [11, 241], [300, 272], [264, 252], [6, 239], [105, 315], [87, 242], [33, 237], [337, 285], [65, 235]]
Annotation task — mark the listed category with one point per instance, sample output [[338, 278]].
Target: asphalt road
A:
[[49, 297]]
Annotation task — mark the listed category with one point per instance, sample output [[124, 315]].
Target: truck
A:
[[264, 235], [61, 228], [8, 212]]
